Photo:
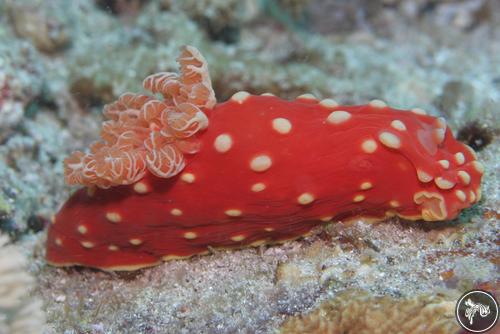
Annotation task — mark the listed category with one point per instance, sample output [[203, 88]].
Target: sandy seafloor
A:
[[60, 61]]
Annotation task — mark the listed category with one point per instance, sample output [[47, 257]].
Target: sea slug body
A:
[[174, 177]]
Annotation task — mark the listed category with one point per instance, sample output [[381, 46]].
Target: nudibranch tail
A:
[[266, 170]]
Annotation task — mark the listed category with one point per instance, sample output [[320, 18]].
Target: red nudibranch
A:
[[175, 176]]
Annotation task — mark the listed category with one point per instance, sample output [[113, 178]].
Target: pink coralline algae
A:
[[176, 176]]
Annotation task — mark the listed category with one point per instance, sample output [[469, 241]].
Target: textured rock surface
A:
[[440, 57], [20, 313], [357, 312]]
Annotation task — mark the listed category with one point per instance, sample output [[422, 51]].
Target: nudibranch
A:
[[176, 174]]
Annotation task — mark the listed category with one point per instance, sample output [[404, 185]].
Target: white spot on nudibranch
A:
[[377, 104], [238, 237], [176, 212], [369, 146], [441, 123], [82, 229], [389, 139], [358, 198], [478, 167], [423, 176], [282, 125], [328, 103], [257, 243], [394, 204], [258, 187], [444, 163], [398, 125], [58, 242], [418, 111], [260, 163], [326, 219], [307, 96], [461, 195], [305, 198], [141, 188], [432, 205], [268, 229], [113, 217], [188, 177], [464, 177], [459, 158], [472, 196], [443, 183], [471, 151], [87, 244], [135, 241], [113, 248], [339, 116], [233, 212], [190, 235], [439, 135], [267, 94], [366, 185], [223, 143], [240, 97]]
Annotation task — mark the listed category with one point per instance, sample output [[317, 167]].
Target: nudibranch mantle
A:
[[252, 170]]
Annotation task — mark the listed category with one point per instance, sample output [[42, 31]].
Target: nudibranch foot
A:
[[178, 176]]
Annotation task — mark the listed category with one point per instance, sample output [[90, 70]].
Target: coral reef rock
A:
[[356, 312], [20, 313]]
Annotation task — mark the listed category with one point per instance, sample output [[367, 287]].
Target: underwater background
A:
[[61, 61]]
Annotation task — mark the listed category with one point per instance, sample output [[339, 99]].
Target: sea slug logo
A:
[[477, 311], [472, 309]]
